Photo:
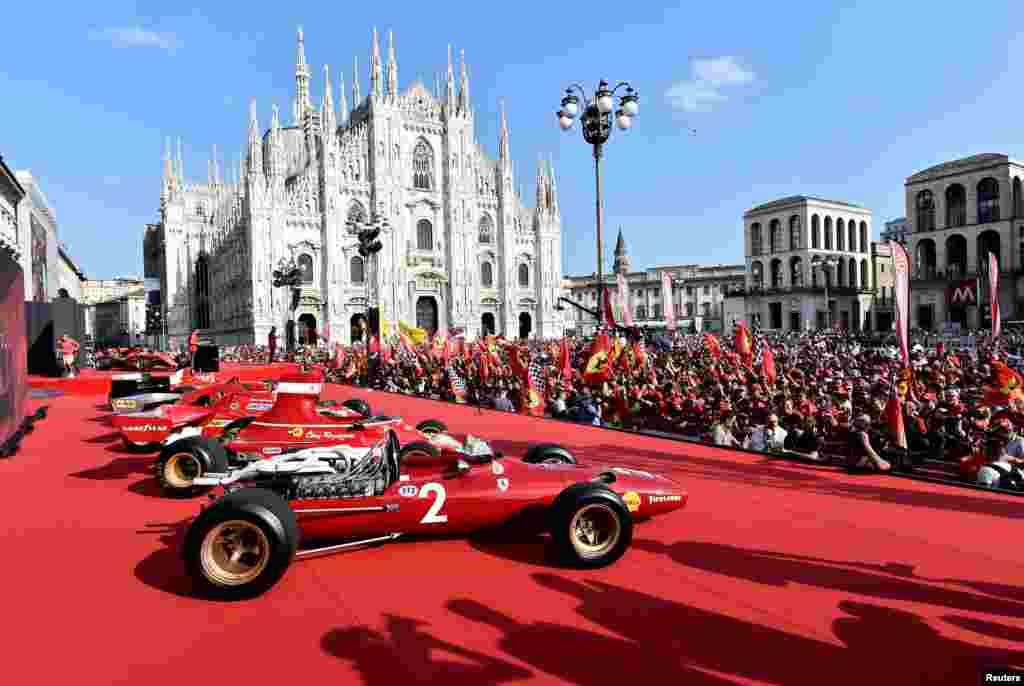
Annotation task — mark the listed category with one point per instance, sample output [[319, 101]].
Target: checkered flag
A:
[[538, 379], [758, 351], [458, 383]]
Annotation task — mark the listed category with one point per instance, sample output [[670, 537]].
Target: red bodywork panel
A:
[[486, 496]]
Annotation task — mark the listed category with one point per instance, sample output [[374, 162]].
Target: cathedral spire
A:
[[168, 180], [302, 102], [450, 86], [376, 80], [392, 67], [542, 190], [327, 116], [356, 99], [255, 145], [622, 261], [554, 188], [216, 166], [181, 166], [503, 151], [463, 83], [342, 99], [276, 161]]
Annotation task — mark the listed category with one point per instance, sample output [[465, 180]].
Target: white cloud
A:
[[137, 37], [709, 77], [229, 100]]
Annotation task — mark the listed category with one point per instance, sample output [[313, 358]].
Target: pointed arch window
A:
[[487, 275], [423, 167], [524, 276], [424, 235], [356, 270], [486, 230]]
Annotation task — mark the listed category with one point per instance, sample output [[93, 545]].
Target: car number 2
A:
[[434, 515]]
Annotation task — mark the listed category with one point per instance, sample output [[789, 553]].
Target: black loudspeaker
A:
[[374, 321], [207, 359]]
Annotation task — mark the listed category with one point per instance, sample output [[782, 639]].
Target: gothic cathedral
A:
[[460, 250]]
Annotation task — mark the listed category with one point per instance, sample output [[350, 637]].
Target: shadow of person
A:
[[120, 468], [881, 644], [405, 653], [576, 654], [781, 569]]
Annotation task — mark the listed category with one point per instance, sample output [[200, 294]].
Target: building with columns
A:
[[460, 249], [797, 249], [698, 294], [959, 212], [11, 195]]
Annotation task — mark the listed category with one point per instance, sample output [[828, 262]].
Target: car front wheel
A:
[[590, 525], [548, 453], [181, 462]]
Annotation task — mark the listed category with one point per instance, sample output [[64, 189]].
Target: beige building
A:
[[808, 264], [883, 304], [102, 290], [698, 294], [120, 320], [959, 212]]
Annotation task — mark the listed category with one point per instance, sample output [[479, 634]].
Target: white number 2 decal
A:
[[433, 515]]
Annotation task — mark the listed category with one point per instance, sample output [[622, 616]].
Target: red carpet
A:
[[775, 573]]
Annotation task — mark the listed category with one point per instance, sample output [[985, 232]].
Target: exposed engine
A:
[[335, 486]]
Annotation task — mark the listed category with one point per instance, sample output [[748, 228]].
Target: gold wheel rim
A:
[[594, 530], [552, 460], [234, 553], [181, 469]]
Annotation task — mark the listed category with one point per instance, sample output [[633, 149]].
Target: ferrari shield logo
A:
[[497, 468], [296, 432], [534, 398], [502, 485], [598, 363], [632, 500]]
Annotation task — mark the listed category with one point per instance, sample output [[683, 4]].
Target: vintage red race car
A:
[[297, 420], [130, 359], [143, 391], [324, 500]]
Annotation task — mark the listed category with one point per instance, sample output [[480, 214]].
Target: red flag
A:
[[894, 419], [609, 316], [743, 344], [566, 363], [768, 362], [374, 345], [598, 369], [993, 289], [713, 346]]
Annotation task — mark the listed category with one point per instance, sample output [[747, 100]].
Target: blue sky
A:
[[841, 100]]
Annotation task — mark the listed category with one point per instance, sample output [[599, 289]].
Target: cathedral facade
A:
[[460, 251]]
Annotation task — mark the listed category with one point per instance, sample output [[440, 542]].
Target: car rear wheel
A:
[[548, 453], [242, 545], [181, 462], [431, 427], [590, 525]]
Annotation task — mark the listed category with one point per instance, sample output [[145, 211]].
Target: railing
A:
[[787, 290]]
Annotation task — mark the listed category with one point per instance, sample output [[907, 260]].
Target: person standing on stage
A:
[[68, 348], [272, 344]]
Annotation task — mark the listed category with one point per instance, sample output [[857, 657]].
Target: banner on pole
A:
[[901, 263], [627, 313], [668, 301], [993, 289]]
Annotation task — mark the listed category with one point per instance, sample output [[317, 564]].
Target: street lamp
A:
[[368, 233], [596, 124], [822, 263], [289, 275]]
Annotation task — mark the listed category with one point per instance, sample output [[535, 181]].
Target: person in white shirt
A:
[[770, 437]]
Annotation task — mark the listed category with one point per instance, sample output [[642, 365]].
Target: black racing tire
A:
[[432, 426], [185, 459], [257, 518], [358, 405], [548, 453], [418, 447], [590, 510]]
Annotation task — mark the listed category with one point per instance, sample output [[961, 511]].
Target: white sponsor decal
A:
[[271, 451], [259, 407], [292, 388], [632, 472], [497, 468], [404, 477], [146, 428], [434, 515], [655, 499], [409, 491], [503, 485]]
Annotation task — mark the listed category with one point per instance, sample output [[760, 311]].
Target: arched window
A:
[[776, 271], [988, 201], [853, 273], [851, 230], [828, 233], [356, 269], [925, 205], [756, 275], [956, 206], [815, 232], [1018, 198], [924, 262], [486, 275], [486, 230], [794, 233], [356, 213], [423, 167], [796, 272], [524, 276], [865, 282], [775, 235], [424, 235], [863, 236], [756, 239], [306, 268], [840, 235]]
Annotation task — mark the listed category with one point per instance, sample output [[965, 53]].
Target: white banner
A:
[[627, 312], [668, 301], [993, 289], [901, 262]]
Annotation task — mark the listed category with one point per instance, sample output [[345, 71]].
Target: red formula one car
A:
[[323, 500], [297, 420], [132, 359]]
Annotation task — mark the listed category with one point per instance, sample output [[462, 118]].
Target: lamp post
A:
[[596, 124], [368, 232], [288, 275], [822, 263]]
